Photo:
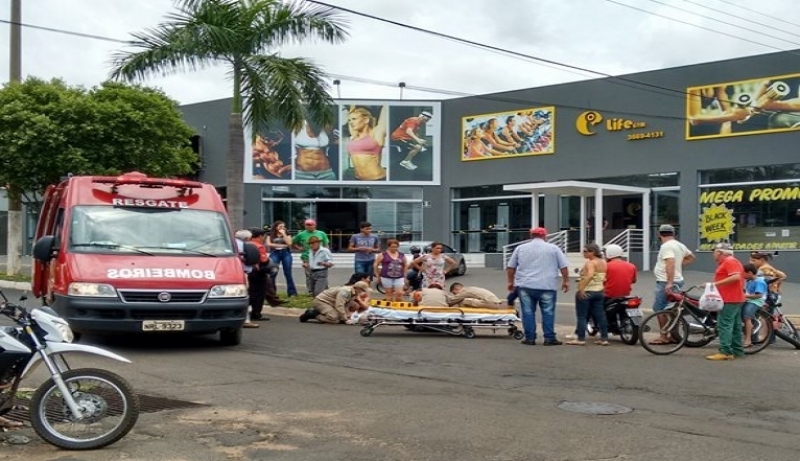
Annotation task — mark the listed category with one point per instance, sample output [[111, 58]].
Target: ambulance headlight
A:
[[228, 291], [98, 290]]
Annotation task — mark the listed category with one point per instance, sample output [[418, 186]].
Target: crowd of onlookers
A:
[[537, 271]]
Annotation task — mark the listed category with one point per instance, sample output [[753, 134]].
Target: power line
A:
[[494, 98], [760, 12], [65, 32], [711, 18], [611, 77], [750, 20]]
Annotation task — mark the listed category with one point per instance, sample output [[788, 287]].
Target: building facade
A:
[[711, 149]]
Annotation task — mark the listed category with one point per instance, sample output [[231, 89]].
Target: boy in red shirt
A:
[[729, 279]]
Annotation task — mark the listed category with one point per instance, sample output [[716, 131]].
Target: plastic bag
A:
[[711, 301]]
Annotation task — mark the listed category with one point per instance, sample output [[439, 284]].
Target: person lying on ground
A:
[[433, 296], [474, 297]]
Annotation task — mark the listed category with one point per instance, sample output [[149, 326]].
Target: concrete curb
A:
[[21, 286]]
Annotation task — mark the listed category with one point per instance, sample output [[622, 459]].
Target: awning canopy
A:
[[575, 188], [589, 189]]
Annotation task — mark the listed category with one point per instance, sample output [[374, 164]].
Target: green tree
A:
[[242, 35], [49, 130]]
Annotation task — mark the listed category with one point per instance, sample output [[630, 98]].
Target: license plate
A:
[[633, 312], [163, 325]]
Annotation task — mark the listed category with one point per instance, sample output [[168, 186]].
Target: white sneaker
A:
[[571, 336], [408, 165]]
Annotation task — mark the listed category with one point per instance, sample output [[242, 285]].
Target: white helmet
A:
[[613, 251]]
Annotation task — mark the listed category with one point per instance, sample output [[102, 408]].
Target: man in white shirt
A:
[[672, 256]]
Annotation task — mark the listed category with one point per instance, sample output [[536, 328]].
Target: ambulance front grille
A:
[[159, 296]]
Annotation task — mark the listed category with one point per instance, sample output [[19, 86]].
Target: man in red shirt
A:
[[620, 274], [407, 137], [729, 279]]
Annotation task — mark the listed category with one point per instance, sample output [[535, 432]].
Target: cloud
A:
[[598, 35]]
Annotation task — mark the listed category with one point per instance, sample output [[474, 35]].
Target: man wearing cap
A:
[[533, 272], [407, 137], [333, 305], [729, 280], [300, 243], [319, 261], [672, 256]]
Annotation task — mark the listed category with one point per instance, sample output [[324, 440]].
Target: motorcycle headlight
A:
[[100, 290], [228, 291], [66, 332]]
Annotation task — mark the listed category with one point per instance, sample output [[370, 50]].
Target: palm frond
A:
[[286, 90], [276, 23]]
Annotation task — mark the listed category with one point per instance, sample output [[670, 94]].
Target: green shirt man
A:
[[300, 241]]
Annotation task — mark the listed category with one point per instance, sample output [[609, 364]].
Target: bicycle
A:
[[685, 324], [783, 327]]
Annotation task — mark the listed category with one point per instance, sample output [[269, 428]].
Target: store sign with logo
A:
[[590, 122]]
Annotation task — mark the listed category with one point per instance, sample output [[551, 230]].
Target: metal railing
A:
[[629, 240], [559, 239]]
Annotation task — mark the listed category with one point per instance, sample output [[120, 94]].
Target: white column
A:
[[534, 210], [583, 223], [646, 231], [598, 216]]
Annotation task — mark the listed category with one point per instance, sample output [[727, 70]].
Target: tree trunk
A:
[[235, 171], [14, 257]]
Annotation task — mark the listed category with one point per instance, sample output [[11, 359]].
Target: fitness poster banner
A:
[[370, 142], [757, 106], [516, 133]]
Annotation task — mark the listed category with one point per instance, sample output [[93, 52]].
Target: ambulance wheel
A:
[[518, 335], [469, 333], [366, 331]]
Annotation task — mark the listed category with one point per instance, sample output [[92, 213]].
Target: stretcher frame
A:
[[456, 325]]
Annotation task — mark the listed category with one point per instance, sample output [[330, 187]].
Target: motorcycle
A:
[[624, 317], [75, 409]]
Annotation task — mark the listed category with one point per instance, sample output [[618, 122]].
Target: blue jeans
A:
[[284, 258], [661, 302], [591, 305], [529, 298], [365, 267]]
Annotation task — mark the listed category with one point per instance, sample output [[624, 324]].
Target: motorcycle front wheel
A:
[[107, 402]]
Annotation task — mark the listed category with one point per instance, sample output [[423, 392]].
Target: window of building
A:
[[485, 225], [752, 216], [751, 174]]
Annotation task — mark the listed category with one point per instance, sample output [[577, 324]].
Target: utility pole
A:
[[14, 238]]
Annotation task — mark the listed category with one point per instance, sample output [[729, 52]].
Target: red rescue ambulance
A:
[[138, 254]]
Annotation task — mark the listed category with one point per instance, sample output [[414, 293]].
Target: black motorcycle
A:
[[623, 316]]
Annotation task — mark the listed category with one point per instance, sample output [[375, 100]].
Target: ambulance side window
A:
[[58, 228]]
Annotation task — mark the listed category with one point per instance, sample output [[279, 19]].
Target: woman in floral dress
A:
[[434, 265]]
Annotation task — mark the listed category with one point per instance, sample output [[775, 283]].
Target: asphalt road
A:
[[316, 392]]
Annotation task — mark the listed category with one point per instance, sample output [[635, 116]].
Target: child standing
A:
[[756, 294]]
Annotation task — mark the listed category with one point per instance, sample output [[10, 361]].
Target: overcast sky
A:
[[599, 35]]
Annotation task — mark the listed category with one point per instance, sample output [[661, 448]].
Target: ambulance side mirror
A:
[[250, 254], [43, 248]]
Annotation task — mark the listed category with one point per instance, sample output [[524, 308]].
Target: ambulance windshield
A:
[[149, 231]]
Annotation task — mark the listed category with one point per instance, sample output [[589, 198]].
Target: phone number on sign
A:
[[650, 135]]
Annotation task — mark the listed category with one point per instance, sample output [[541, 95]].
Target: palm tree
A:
[[242, 35]]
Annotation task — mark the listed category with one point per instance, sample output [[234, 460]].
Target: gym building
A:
[[712, 149]]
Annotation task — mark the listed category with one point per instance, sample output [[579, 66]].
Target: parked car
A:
[[461, 263]]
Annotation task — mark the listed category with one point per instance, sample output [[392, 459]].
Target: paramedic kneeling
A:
[[474, 297], [334, 304]]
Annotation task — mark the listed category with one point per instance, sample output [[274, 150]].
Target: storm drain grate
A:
[[147, 404], [594, 408]]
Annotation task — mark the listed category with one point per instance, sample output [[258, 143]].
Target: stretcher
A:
[[456, 321]]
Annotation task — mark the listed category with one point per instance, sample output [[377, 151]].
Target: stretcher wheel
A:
[[469, 333], [366, 331], [518, 335]]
